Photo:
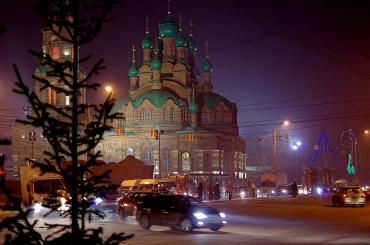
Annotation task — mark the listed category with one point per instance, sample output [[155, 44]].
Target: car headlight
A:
[[222, 215], [283, 191], [242, 194], [37, 207], [98, 200], [200, 215], [63, 201]]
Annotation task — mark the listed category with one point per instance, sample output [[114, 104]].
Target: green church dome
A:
[[191, 45], [168, 28], [180, 40], [155, 64], [193, 107], [207, 66], [158, 97], [133, 71], [146, 43]]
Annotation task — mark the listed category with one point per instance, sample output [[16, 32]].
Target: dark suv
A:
[[178, 212], [127, 203]]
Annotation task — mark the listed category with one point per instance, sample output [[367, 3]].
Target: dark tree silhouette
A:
[[66, 129]]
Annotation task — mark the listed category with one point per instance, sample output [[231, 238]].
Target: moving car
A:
[[178, 212], [127, 203], [348, 195]]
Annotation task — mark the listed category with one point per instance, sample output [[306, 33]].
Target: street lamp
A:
[[108, 89], [274, 136]]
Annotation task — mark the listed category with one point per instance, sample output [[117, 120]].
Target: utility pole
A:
[[274, 160]]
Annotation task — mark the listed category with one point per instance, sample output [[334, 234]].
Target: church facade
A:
[[172, 118]]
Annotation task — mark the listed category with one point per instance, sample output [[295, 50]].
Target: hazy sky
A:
[[305, 61]]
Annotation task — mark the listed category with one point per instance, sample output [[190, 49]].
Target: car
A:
[[348, 195], [127, 203], [178, 212]]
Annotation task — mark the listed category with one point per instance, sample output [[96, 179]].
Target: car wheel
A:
[[362, 205], [215, 228], [186, 225], [144, 222]]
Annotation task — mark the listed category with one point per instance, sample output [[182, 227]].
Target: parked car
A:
[[348, 195], [178, 212], [127, 203]]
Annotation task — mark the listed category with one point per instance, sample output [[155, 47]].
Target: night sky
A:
[[304, 61]]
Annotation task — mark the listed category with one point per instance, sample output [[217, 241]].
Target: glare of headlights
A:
[[200, 215], [319, 190], [37, 207], [98, 200], [63, 201], [283, 191], [222, 215], [242, 194]]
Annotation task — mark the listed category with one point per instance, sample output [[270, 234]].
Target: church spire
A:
[[133, 71], [206, 71]]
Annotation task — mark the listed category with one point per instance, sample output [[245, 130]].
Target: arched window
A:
[[204, 116], [165, 160], [142, 115], [218, 117], [148, 156], [164, 114], [54, 48], [172, 115], [186, 161], [151, 115]]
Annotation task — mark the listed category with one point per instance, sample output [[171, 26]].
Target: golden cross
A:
[[206, 44], [133, 53], [169, 6], [180, 22], [146, 24], [191, 28]]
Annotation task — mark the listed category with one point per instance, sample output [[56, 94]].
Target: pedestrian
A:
[[294, 189], [217, 191], [230, 189], [200, 190]]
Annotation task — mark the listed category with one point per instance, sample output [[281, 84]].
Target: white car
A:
[[349, 195]]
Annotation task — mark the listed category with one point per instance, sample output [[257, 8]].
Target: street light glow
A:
[[366, 131], [298, 143], [295, 147], [286, 123], [108, 89]]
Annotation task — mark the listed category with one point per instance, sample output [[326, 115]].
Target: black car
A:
[[178, 212], [127, 203]]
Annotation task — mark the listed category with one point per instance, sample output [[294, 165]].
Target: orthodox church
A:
[[172, 118]]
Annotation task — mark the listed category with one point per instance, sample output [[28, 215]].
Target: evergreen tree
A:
[[66, 129]]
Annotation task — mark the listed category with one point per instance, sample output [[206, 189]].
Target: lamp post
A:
[[156, 134], [32, 138], [274, 150]]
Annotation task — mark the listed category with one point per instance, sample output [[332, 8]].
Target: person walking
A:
[[200, 191], [230, 189], [294, 189]]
